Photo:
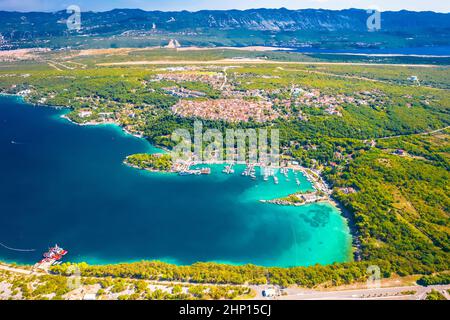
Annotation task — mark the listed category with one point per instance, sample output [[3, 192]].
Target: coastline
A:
[[348, 215], [320, 185], [293, 204], [125, 162], [114, 123], [91, 124], [22, 98]]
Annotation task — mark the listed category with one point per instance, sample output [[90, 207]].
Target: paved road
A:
[[388, 293], [16, 270], [414, 134], [226, 78]]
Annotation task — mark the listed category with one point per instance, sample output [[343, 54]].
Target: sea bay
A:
[[66, 184]]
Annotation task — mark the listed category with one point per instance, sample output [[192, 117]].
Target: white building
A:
[[268, 293], [84, 113], [89, 296]]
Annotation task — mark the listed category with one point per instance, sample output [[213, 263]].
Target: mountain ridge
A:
[[238, 26]]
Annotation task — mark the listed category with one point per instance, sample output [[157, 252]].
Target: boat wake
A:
[[14, 249]]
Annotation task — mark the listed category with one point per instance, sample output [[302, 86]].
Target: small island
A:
[[299, 199], [151, 162], [159, 162]]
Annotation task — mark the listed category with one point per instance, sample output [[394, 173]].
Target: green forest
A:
[[158, 162], [385, 137]]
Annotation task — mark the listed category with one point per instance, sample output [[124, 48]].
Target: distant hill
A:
[[311, 27]]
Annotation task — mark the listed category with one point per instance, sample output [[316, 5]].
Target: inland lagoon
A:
[[67, 184]]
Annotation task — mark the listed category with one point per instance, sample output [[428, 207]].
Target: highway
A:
[[386, 293]]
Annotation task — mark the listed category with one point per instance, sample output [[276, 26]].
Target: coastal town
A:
[[210, 93], [367, 144], [232, 109]]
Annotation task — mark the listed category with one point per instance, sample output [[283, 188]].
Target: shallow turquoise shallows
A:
[[66, 184]]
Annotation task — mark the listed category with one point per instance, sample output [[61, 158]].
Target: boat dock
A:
[[52, 257], [184, 169], [250, 171], [229, 169], [290, 173]]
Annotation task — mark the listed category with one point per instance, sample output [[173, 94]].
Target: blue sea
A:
[[66, 184], [433, 51]]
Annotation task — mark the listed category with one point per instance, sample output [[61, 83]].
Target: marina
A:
[[229, 169], [184, 169], [195, 172], [319, 191], [147, 215]]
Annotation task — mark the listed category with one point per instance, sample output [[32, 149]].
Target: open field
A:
[[253, 61]]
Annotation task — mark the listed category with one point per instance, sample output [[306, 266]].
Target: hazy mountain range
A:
[[344, 28]]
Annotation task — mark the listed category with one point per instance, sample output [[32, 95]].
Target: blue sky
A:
[[193, 5]]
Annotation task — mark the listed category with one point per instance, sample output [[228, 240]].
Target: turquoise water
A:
[[66, 184]]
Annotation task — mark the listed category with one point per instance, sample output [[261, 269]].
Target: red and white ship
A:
[[52, 257]]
